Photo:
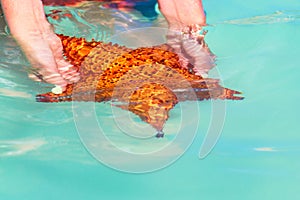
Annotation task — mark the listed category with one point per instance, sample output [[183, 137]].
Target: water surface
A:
[[256, 157]]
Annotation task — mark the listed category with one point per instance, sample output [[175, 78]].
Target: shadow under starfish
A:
[[148, 81]]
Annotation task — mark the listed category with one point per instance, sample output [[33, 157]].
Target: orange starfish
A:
[[148, 81]]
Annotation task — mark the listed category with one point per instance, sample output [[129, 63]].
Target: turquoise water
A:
[[256, 157]]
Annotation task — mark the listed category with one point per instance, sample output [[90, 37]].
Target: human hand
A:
[[181, 13], [192, 50], [185, 35], [27, 23]]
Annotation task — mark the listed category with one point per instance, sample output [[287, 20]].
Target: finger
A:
[[54, 78], [34, 77], [68, 71], [42, 60]]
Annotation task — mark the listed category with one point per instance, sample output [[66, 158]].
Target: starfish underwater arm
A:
[[148, 81]]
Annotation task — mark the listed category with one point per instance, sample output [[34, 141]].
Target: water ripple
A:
[[273, 18]]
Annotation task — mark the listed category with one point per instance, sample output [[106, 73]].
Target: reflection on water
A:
[[93, 20]]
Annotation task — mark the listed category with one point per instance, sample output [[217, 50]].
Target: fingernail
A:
[[74, 78], [69, 74], [66, 68]]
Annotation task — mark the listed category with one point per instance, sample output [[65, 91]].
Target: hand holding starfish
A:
[[29, 26]]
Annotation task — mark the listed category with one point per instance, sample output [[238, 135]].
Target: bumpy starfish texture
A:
[[148, 81]]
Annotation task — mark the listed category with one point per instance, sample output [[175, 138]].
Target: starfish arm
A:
[[152, 107], [76, 49], [148, 81]]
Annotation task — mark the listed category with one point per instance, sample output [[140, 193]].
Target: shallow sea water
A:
[[256, 157]]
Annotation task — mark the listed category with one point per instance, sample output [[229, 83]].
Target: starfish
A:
[[148, 81]]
